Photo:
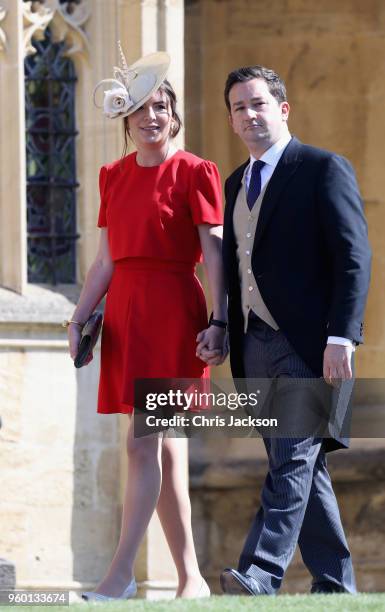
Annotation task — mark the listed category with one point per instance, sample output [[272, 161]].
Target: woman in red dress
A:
[[160, 209]]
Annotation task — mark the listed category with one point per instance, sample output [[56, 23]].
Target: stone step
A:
[[7, 574]]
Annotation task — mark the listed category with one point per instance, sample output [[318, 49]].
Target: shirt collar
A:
[[273, 154]]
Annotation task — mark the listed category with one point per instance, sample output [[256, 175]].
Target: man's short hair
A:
[[274, 82]]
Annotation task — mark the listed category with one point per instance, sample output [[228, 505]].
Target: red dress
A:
[[155, 304]]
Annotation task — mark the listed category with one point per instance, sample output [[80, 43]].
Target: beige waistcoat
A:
[[245, 223]]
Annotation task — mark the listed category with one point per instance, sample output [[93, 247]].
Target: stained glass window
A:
[[51, 164]]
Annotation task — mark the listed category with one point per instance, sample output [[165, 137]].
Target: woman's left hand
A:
[[212, 345]]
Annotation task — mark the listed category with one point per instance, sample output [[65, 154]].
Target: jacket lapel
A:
[[287, 165], [233, 186]]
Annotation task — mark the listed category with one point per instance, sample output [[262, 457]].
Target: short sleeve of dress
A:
[[102, 219], [205, 195]]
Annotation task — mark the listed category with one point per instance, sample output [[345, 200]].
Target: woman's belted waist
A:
[[159, 265]]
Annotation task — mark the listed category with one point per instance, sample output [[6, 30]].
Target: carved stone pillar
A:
[[12, 149]]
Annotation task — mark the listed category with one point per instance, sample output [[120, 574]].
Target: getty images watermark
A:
[[201, 400], [179, 408]]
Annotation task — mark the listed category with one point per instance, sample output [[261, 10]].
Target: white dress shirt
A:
[[271, 158]]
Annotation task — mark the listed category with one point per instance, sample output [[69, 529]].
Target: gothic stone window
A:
[[51, 165]]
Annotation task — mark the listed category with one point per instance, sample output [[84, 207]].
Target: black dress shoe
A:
[[326, 587], [235, 583]]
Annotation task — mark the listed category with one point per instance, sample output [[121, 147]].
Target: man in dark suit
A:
[[297, 266]]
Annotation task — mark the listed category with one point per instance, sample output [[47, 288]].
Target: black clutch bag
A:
[[90, 335]]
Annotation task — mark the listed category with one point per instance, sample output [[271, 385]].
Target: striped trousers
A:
[[298, 504]]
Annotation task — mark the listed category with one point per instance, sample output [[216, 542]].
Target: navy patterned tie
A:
[[255, 183]]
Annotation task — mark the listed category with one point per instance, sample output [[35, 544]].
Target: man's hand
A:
[[337, 363], [212, 345]]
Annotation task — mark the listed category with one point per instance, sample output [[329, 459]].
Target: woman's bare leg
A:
[[141, 496], [174, 511]]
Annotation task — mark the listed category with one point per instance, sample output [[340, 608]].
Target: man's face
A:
[[255, 115]]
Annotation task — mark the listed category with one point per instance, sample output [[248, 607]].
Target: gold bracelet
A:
[[67, 322]]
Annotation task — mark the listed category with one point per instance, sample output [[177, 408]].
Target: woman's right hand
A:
[[74, 336], [95, 287]]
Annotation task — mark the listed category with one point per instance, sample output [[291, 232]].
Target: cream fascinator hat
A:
[[132, 85]]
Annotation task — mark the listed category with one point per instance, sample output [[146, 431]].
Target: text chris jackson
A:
[[199, 420]]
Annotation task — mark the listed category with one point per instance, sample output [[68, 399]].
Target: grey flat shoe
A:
[[129, 592]]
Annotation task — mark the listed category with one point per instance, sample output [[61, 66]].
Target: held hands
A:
[[74, 336], [212, 345], [337, 364]]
